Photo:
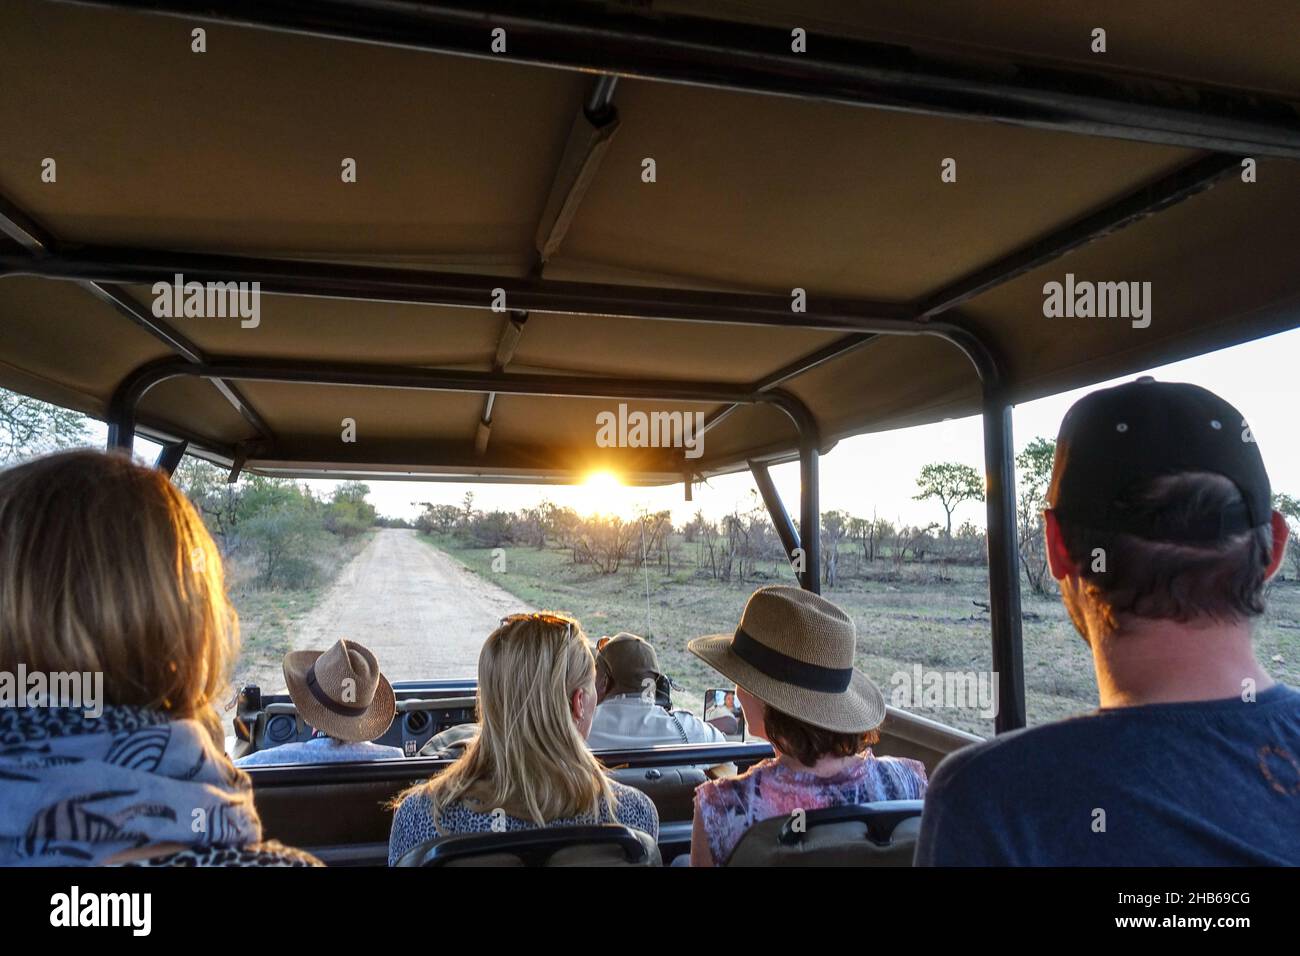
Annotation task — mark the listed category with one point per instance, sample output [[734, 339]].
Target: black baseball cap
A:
[[1120, 438]]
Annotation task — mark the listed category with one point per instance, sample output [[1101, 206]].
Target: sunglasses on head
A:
[[545, 617]]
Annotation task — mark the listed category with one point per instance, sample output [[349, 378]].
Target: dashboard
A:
[[423, 710]]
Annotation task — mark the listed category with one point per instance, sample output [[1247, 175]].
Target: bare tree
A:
[[29, 427], [834, 529], [1035, 467]]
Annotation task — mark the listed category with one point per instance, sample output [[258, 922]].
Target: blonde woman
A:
[[529, 767], [112, 591]]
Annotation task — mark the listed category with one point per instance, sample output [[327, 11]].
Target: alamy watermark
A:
[[133, 911], [945, 690], [79, 689], [1083, 299], [209, 300], [624, 429]]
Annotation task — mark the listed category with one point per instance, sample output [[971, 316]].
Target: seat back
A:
[[671, 788], [868, 834], [610, 844]]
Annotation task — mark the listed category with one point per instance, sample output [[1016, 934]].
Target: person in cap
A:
[[1161, 534], [343, 697], [633, 706], [792, 661]]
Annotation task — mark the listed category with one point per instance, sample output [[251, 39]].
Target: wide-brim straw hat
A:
[[794, 651], [340, 691]]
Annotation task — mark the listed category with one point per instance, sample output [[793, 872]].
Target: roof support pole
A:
[[124, 266], [785, 529], [1004, 563], [810, 516], [29, 234], [121, 430], [589, 139], [707, 52], [170, 455]]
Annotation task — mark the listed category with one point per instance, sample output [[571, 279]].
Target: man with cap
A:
[[343, 697], [633, 708], [1162, 536]]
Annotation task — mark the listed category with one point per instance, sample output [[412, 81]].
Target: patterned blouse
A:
[[413, 822], [730, 806]]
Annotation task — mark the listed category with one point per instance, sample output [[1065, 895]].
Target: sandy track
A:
[[421, 612]]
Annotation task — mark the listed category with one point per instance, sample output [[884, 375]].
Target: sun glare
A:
[[602, 493]]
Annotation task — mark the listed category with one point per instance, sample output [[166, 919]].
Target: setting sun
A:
[[602, 493]]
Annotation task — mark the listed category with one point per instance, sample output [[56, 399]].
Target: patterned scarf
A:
[[75, 790]]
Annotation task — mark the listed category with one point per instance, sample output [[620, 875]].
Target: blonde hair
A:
[[106, 567], [529, 758]]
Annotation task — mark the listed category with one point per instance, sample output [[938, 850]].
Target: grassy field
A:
[[902, 621]]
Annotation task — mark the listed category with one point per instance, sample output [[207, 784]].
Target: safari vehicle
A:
[[807, 221]]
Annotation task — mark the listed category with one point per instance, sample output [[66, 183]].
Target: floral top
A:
[[730, 806], [413, 823]]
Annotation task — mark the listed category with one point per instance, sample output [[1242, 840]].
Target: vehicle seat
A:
[[610, 844], [671, 789], [868, 834]]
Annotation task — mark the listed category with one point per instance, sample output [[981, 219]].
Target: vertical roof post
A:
[[1004, 563]]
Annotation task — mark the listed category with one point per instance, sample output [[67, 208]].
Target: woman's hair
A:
[[105, 567], [806, 743], [529, 758]]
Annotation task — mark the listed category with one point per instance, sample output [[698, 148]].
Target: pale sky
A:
[[879, 471]]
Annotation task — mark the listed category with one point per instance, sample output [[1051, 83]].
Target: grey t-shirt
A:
[[1205, 783]]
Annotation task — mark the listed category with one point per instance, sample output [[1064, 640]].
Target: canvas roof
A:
[[237, 151]]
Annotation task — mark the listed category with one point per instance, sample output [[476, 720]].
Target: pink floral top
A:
[[730, 806]]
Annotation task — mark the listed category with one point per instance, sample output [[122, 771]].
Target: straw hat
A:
[[794, 651], [340, 692]]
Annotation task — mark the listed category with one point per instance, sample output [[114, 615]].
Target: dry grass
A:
[[914, 618]]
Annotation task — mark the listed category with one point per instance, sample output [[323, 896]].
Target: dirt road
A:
[[419, 610]]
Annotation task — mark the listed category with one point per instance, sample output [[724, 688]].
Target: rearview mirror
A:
[[722, 710]]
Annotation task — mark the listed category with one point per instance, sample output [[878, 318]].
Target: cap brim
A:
[[373, 723], [858, 709]]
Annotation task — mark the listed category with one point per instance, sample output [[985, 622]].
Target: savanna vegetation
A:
[[918, 594]]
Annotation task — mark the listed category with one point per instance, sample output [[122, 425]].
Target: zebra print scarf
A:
[[75, 790]]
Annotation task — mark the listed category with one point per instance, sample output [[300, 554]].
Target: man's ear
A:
[[1280, 533], [1059, 561]]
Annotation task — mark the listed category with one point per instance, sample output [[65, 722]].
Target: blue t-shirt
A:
[[319, 750], [1204, 783]]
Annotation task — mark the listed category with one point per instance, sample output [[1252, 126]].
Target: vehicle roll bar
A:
[[624, 40], [1004, 580]]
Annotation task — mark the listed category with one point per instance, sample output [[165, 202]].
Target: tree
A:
[[29, 427], [605, 541], [835, 526], [952, 483], [1290, 509], [219, 501], [349, 514], [439, 519], [283, 537], [1034, 466]]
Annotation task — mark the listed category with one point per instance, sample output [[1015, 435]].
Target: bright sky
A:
[[878, 472]]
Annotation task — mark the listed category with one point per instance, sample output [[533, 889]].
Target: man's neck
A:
[[1162, 662]]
